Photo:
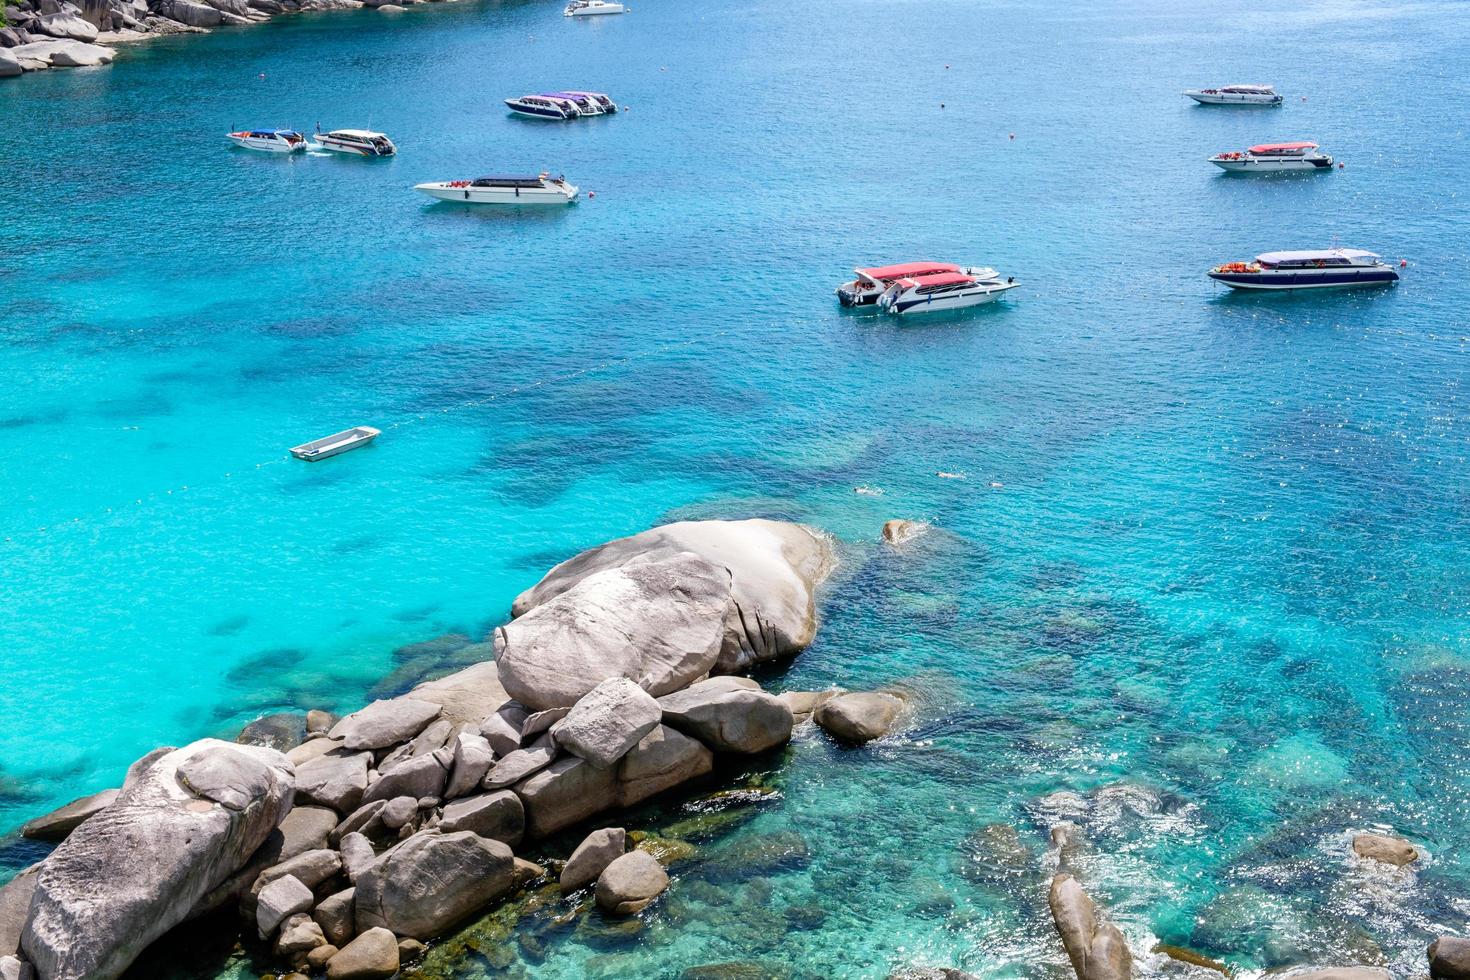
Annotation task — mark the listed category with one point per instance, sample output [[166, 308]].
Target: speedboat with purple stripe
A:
[[1327, 268]]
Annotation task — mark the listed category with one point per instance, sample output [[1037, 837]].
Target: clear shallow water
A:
[[1209, 545]]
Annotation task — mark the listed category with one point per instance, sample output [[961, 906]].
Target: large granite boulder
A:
[[564, 793], [728, 718], [371, 956], [472, 760], [67, 25], [10, 65], [597, 850], [1385, 849], [519, 764], [661, 760], [859, 717], [630, 883], [468, 696], [158, 849], [432, 882], [336, 780], [63, 820], [607, 722], [658, 622], [418, 777], [385, 723], [1449, 958], [63, 53], [498, 815], [15, 908], [774, 569], [1095, 947]]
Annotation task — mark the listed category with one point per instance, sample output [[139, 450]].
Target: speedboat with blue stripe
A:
[[943, 291], [1327, 268]]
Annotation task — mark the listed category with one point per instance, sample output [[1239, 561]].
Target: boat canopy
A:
[[1261, 89], [361, 134], [506, 182], [1281, 147], [937, 279], [907, 269], [1312, 255]]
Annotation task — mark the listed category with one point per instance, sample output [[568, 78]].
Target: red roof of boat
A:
[[1268, 147], [907, 269], [938, 279]]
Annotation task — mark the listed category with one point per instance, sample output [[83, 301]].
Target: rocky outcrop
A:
[[630, 883], [63, 820], [607, 722], [1449, 958], [657, 622], [1095, 947], [774, 569], [860, 717], [728, 718], [160, 847], [431, 883], [599, 849], [1385, 849]]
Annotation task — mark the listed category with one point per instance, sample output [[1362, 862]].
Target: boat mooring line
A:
[[402, 423]]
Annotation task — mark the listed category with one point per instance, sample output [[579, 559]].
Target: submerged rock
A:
[[630, 883], [737, 970], [658, 623], [899, 531], [599, 849], [431, 883], [774, 569], [63, 820], [160, 848], [282, 731], [1383, 848], [859, 717]]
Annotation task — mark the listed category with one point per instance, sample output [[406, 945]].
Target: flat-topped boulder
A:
[[140, 865], [497, 815], [335, 780], [432, 882], [63, 820], [607, 722], [774, 570], [728, 717], [520, 764], [565, 793], [656, 621], [385, 723]]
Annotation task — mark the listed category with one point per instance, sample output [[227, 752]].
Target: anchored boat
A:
[[544, 107], [1327, 268], [1235, 95], [1272, 158], [870, 282], [269, 140], [943, 291], [359, 142], [335, 444], [541, 189], [591, 8]]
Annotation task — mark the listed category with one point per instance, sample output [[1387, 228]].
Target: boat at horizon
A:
[[358, 142], [1327, 268], [1265, 158], [541, 189], [269, 140], [1256, 95], [943, 291]]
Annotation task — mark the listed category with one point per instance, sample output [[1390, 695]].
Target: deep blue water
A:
[[1210, 546]]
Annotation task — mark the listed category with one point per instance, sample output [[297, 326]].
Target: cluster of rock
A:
[[41, 34], [615, 680]]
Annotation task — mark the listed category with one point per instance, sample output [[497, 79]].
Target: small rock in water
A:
[[902, 531], [859, 717], [282, 731], [599, 849], [319, 722], [1449, 958], [1388, 850], [630, 883]]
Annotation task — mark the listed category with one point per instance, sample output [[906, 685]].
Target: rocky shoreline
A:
[[36, 35]]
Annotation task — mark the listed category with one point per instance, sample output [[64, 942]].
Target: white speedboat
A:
[[541, 189], [335, 444], [1326, 268], [870, 282], [544, 107], [591, 103], [269, 140], [1271, 158], [359, 142], [943, 291], [591, 8], [1236, 95]]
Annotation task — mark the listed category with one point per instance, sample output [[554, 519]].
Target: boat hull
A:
[[1326, 279], [335, 445], [953, 301], [267, 146], [349, 149], [1204, 98], [515, 196], [1273, 166], [537, 112]]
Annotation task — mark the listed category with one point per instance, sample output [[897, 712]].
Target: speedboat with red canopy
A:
[[1323, 268], [1273, 158], [870, 283], [941, 291]]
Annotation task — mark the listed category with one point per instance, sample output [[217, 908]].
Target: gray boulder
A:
[[1449, 958], [306, 828], [607, 722], [160, 848], [63, 820], [432, 882], [299, 936], [803, 704], [467, 696], [282, 731], [366, 819], [371, 956], [472, 760], [859, 717], [1096, 948], [497, 816], [15, 908], [520, 764], [662, 759], [541, 721], [420, 776], [425, 742], [277, 901], [565, 793], [659, 623], [13, 968], [399, 811], [357, 855], [774, 570], [311, 868], [502, 727], [10, 65], [630, 883], [385, 723], [1385, 849], [313, 748], [728, 719], [67, 25], [336, 914], [189, 12], [599, 849], [336, 780]]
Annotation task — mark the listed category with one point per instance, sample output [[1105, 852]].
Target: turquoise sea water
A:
[[1208, 548]]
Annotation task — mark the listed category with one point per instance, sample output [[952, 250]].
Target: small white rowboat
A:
[[336, 444]]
